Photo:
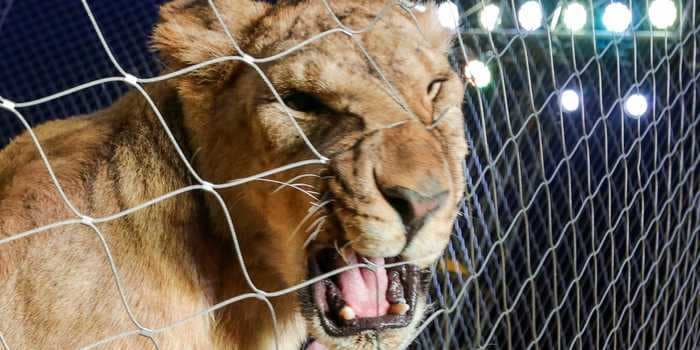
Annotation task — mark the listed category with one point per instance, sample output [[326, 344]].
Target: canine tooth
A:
[[399, 309], [347, 313]]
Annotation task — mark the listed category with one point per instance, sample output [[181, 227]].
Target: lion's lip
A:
[[328, 295]]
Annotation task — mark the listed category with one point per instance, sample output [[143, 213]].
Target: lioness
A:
[[387, 194]]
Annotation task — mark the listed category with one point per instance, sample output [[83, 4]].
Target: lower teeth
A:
[[398, 304], [399, 309], [347, 313]]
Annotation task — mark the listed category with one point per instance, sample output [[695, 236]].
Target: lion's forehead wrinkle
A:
[[392, 32]]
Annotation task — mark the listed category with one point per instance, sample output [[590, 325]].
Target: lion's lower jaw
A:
[[392, 338]]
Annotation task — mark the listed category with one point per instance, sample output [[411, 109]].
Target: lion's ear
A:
[[189, 33]]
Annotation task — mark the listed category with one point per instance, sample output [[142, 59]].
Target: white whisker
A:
[[313, 235], [341, 250], [322, 204], [312, 210], [294, 179], [294, 186], [316, 223]]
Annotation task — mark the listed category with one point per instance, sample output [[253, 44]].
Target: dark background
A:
[[47, 46], [529, 190]]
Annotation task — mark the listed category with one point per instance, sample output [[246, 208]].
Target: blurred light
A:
[[490, 17], [569, 100], [662, 13], [419, 7], [575, 17], [448, 14], [478, 73], [617, 17], [530, 15], [636, 105]]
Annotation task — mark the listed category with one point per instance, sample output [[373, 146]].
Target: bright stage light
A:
[[569, 100], [530, 15], [662, 13], [575, 17], [617, 17], [636, 105], [490, 17], [448, 14], [478, 73]]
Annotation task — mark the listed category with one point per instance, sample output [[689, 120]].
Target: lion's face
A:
[[394, 139]]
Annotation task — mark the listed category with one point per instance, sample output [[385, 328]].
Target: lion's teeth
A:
[[347, 313], [399, 309]]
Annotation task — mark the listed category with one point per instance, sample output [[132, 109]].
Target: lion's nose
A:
[[413, 207]]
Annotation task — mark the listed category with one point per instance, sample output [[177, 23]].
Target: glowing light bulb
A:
[[575, 17], [617, 17], [477, 72], [530, 15], [662, 13], [569, 100], [448, 14], [636, 105], [490, 17]]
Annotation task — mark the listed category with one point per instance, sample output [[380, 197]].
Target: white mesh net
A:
[[580, 224]]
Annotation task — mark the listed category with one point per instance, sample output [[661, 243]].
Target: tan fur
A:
[[175, 258]]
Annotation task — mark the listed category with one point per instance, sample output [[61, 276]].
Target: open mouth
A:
[[361, 299]]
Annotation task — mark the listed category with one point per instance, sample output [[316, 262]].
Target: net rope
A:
[[628, 233]]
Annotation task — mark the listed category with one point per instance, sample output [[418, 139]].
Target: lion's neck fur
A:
[[175, 257], [221, 274]]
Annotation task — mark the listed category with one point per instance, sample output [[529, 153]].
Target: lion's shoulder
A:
[[91, 156], [28, 196]]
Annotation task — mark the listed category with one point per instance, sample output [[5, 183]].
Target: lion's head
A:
[[379, 101]]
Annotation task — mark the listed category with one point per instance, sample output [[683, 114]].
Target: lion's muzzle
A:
[[388, 186]]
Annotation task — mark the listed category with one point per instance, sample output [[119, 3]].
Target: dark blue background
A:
[[47, 46]]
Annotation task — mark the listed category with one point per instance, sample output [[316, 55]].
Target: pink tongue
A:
[[363, 288]]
